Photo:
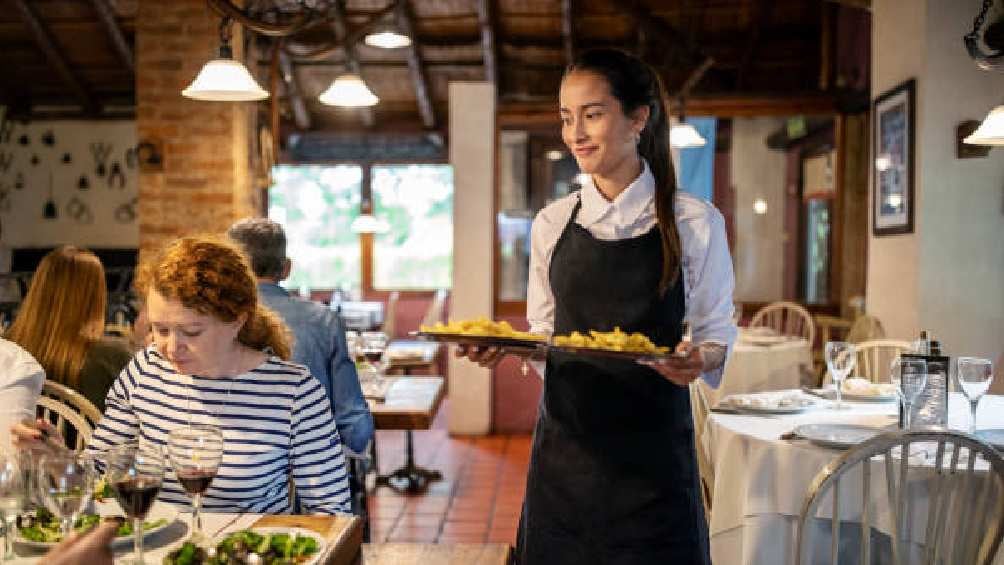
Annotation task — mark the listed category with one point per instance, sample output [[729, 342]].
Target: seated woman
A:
[[62, 321], [217, 359]]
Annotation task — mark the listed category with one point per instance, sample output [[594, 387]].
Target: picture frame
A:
[[893, 143]]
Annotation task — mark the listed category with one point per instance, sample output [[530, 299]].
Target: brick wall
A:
[[205, 183]]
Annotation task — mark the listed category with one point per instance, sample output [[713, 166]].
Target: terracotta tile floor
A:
[[478, 499]]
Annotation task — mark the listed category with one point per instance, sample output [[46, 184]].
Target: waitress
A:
[[613, 475]]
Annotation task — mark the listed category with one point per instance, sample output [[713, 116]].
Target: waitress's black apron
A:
[[613, 474]]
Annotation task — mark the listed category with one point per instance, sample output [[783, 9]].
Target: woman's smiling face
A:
[[594, 126]]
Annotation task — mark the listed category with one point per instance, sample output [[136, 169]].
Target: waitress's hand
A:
[[683, 367], [490, 356]]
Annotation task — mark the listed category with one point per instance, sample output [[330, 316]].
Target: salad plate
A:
[[260, 546]]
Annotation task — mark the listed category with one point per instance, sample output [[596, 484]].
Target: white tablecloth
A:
[[761, 480], [757, 368]]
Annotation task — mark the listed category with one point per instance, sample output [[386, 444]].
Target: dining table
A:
[[411, 403], [342, 534], [762, 473], [760, 362]]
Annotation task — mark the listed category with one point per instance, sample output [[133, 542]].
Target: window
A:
[[416, 201], [316, 204]]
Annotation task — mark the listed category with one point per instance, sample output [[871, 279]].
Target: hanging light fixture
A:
[[348, 91], [991, 131], [683, 135], [225, 79], [387, 37]]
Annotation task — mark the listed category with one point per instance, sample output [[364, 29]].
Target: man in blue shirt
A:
[[320, 337]]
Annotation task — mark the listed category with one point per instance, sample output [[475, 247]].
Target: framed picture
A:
[[893, 142]]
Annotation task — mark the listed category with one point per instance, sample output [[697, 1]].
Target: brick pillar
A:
[[205, 183]]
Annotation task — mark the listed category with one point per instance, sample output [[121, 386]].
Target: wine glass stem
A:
[[972, 410], [137, 532], [197, 514], [67, 526], [907, 412], [8, 545], [840, 403]]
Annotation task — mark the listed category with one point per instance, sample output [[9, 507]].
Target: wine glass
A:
[[911, 380], [195, 453], [65, 481], [840, 359], [373, 346], [974, 376], [14, 487], [135, 473]]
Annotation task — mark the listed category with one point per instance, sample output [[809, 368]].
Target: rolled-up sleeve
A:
[[711, 283]]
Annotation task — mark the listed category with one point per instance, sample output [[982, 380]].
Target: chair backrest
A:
[[390, 315], [964, 512], [875, 358], [65, 418], [865, 328], [786, 318], [70, 407], [700, 408], [437, 309]]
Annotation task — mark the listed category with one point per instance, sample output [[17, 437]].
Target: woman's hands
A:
[[93, 547], [682, 368], [39, 437], [489, 357]]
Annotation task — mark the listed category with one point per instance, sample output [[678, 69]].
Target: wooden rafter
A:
[[695, 77], [107, 16], [416, 68], [486, 22], [43, 37], [301, 116], [760, 14], [568, 30], [339, 24]]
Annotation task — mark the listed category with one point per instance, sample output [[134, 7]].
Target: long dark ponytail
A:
[[634, 84]]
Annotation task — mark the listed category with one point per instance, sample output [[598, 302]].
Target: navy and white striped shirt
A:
[[275, 419]]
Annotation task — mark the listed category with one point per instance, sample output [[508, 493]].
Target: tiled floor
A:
[[478, 500]]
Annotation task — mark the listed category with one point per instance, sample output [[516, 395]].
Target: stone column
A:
[[205, 183]]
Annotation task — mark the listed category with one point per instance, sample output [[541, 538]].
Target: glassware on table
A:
[[195, 453], [373, 346], [14, 494], [910, 380], [840, 359], [975, 376], [65, 481], [135, 474]]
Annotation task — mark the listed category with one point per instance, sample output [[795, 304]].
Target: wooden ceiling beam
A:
[[761, 12], [43, 38], [340, 26], [301, 116], [107, 16], [568, 30], [416, 68], [486, 23]]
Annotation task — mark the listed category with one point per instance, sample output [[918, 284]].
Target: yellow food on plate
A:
[[616, 340], [480, 327]]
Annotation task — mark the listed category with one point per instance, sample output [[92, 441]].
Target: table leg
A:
[[410, 477]]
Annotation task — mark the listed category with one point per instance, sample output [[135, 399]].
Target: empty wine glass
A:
[[911, 380], [135, 473], [195, 453], [840, 359], [14, 487], [974, 376], [65, 481]]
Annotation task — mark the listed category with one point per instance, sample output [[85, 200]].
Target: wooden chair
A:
[[68, 409], [437, 309], [786, 318], [865, 328], [964, 511], [700, 407], [875, 358]]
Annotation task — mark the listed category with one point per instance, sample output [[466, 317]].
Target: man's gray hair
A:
[[265, 243]]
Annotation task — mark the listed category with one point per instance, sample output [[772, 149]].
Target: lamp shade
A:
[[387, 39], [348, 91], [684, 135], [224, 80], [991, 131], [368, 223]]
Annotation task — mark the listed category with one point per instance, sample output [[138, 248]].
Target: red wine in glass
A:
[[373, 355], [195, 482], [136, 495]]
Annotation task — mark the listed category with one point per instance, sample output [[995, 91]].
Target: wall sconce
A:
[[759, 206], [991, 131]]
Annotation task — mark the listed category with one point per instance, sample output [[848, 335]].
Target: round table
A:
[[754, 367], [761, 480]]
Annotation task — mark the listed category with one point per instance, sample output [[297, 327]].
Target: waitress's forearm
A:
[[713, 355]]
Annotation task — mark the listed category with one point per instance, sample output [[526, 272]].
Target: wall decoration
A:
[[24, 139], [83, 183], [126, 212], [19, 181], [5, 160], [115, 177], [4, 198], [149, 155], [893, 119], [67, 158], [101, 150], [49, 211], [48, 138], [79, 211], [6, 129], [35, 160], [130, 157]]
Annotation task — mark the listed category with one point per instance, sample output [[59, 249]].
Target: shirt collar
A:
[[271, 289], [628, 205]]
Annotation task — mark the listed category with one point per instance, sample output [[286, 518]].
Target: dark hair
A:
[[264, 241], [634, 84]]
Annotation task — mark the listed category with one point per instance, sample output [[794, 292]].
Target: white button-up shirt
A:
[[707, 266], [21, 379]]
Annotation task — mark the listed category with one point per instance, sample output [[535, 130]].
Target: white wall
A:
[[758, 172], [948, 276], [23, 223], [472, 154]]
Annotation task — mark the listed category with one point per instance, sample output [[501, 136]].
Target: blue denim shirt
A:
[[320, 345]]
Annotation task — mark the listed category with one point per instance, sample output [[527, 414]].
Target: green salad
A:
[[45, 527], [238, 548]]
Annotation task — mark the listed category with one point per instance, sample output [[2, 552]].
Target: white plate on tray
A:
[[836, 436]]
